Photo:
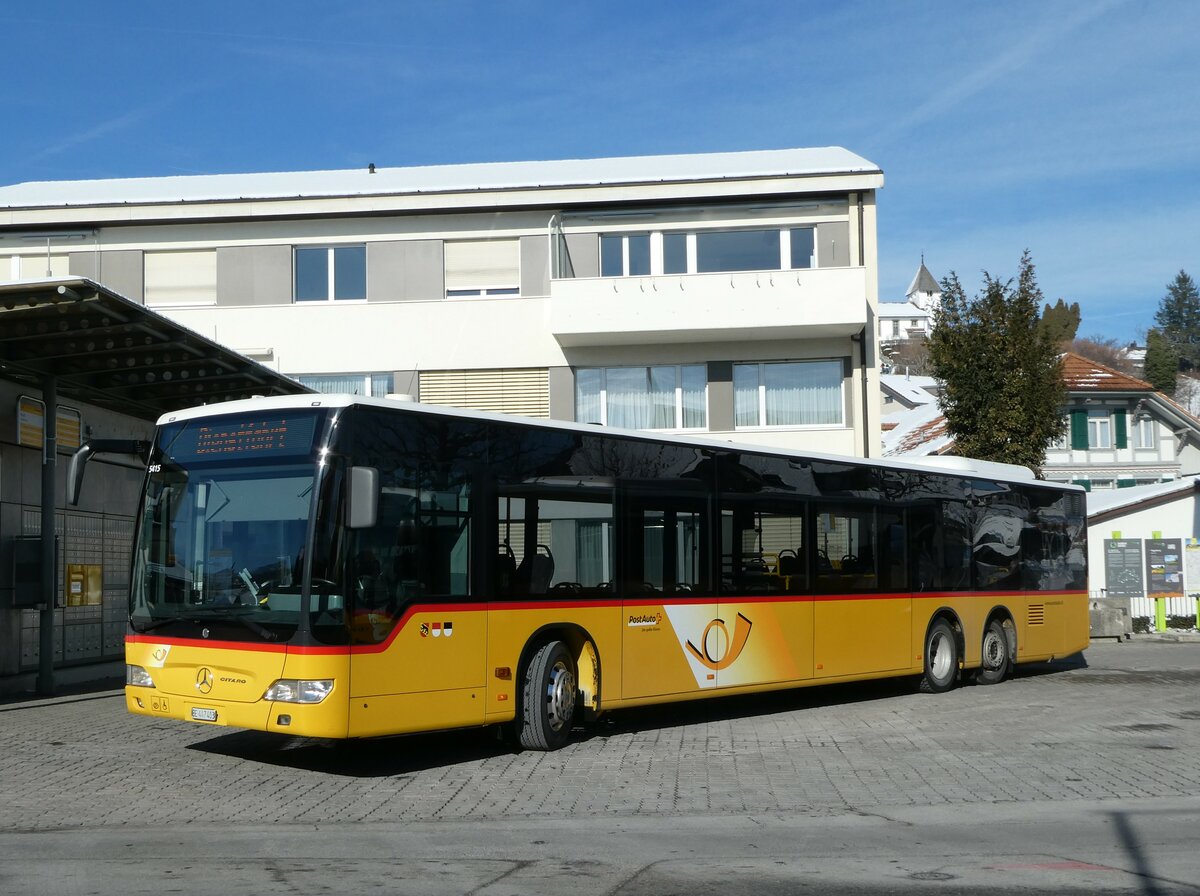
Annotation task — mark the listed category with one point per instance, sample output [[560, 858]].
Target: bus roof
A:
[[946, 466]]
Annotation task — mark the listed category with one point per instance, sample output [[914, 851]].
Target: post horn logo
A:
[[725, 659], [204, 679]]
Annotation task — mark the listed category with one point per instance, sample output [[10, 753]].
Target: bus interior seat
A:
[[536, 571]]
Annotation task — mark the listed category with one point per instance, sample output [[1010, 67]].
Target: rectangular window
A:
[[377, 384], [663, 397], [737, 250], [1143, 433], [665, 540], [624, 255], [675, 253], [1099, 429], [181, 278], [788, 393], [763, 548], [859, 549], [329, 273], [804, 248], [519, 390], [35, 267], [483, 267], [550, 543]]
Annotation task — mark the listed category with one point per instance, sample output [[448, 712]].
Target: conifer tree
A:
[[1178, 318], [1162, 362], [1001, 373], [1061, 321]]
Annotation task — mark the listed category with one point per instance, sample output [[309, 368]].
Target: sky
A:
[[1066, 128]]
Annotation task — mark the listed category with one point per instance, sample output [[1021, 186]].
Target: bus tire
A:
[[548, 698], [941, 658], [995, 662]]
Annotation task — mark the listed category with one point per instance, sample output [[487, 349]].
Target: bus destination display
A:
[[275, 435]]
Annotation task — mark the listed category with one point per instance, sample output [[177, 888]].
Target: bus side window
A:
[[554, 540]]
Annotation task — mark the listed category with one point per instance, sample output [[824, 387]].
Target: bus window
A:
[[996, 542], [419, 549], [554, 541], [665, 547], [847, 548], [762, 546]]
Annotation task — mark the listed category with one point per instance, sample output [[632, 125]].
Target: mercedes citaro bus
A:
[[346, 567]]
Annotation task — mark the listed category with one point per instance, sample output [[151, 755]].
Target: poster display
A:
[[1164, 567], [1123, 567]]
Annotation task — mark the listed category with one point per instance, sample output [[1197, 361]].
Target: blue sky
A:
[[1068, 128]]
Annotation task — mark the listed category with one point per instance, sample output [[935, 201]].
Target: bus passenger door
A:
[[667, 596], [863, 610]]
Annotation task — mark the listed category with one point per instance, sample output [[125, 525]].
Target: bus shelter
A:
[[72, 339]]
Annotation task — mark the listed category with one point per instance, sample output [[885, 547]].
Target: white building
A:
[[730, 294], [912, 318]]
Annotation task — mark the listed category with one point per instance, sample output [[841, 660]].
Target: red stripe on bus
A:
[[581, 604]]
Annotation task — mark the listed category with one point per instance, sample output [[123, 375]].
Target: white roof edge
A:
[[681, 168], [1002, 472], [1120, 499]]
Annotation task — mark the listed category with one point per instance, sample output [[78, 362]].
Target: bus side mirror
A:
[[99, 446], [362, 500]]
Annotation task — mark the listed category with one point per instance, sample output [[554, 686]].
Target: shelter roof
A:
[[105, 350]]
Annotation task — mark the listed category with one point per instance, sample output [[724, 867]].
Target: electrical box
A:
[[27, 572]]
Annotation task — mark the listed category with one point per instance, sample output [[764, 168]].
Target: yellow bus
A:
[[345, 567]]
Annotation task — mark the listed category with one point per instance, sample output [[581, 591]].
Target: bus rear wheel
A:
[[548, 698], [996, 663], [941, 658]]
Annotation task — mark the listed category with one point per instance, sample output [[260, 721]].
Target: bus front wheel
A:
[[941, 658], [548, 698]]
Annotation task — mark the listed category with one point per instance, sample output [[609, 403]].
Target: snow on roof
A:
[[912, 389], [1083, 374], [918, 432], [1110, 500], [441, 178], [893, 310]]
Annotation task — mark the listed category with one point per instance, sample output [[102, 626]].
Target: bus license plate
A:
[[204, 715]]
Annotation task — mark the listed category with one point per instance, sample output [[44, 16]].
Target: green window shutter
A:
[[1086, 483], [1126, 483], [1122, 430], [1079, 436]]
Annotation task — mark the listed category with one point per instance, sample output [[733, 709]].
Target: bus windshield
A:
[[223, 547]]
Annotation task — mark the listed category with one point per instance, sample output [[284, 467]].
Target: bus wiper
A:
[[265, 633], [155, 623]]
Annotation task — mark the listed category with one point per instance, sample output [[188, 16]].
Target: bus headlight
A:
[[299, 690], [138, 676]]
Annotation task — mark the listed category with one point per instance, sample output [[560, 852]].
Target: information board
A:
[[1123, 567], [1164, 567]]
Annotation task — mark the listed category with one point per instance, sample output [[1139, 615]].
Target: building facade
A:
[[732, 295], [1118, 432], [913, 318]]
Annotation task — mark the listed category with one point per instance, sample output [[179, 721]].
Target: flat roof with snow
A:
[[810, 162]]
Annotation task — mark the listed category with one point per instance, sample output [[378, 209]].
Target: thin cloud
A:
[[937, 106], [114, 125]]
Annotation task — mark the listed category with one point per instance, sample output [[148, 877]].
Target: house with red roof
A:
[[1119, 431]]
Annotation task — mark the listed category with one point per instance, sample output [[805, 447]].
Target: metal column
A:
[[45, 681]]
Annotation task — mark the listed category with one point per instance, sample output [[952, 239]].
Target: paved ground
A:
[[1083, 775]]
